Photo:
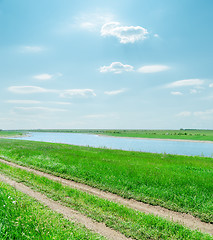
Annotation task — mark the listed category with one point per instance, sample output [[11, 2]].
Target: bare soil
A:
[[67, 212], [183, 218]]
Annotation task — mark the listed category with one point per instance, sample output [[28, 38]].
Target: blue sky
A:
[[106, 64]]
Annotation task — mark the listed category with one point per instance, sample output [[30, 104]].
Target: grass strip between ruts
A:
[[22, 217], [130, 222]]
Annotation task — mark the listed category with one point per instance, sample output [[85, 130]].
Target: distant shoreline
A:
[[15, 136], [160, 139]]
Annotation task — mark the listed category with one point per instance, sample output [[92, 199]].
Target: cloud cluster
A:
[[125, 34], [68, 93], [153, 68], [116, 67]]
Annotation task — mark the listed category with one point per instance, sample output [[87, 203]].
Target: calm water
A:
[[143, 145]]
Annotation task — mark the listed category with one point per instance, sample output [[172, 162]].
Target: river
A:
[[132, 144]]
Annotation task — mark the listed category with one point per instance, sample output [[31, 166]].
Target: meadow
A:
[[182, 134], [21, 217], [10, 133], [130, 222], [179, 183]]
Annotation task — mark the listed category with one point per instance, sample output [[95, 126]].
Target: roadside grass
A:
[[21, 217], [187, 134], [130, 222], [179, 183]]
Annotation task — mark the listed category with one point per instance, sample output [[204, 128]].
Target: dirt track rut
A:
[[185, 219], [67, 212]]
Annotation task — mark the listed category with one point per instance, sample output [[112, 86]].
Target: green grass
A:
[[204, 135], [21, 217], [187, 134], [179, 183], [10, 133], [130, 222]]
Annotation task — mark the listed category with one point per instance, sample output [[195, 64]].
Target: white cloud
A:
[[177, 93], [39, 109], [211, 85], [32, 49], [36, 102], [153, 68], [44, 76], [95, 116], [184, 114], [185, 83], [100, 116], [115, 92], [207, 114], [69, 93], [59, 103], [193, 91], [77, 92], [93, 21], [116, 67], [23, 101], [88, 25], [156, 35], [28, 89], [125, 34]]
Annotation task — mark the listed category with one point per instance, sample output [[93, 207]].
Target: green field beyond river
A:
[[182, 134]]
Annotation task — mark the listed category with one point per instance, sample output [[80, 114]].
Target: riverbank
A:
[[170, 181], [158, 139], [181, 134], [203, 149], [11, 134]]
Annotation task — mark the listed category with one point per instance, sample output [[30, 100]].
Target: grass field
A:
[[187, 134], [130, 222], [21, 217], [10, 133], [179, 183]]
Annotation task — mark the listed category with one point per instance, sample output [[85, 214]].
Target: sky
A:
[[124, 64]]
